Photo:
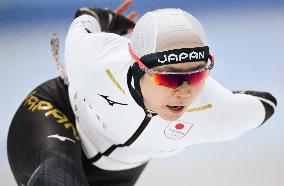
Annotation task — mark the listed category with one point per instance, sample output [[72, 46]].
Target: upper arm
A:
[[248, 108], [84, 24], [87, 53], [82, 42]]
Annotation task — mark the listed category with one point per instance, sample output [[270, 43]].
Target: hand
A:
[[131, 16], [111, 21]]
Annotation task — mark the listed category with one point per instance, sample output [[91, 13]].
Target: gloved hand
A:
[[109, 20]]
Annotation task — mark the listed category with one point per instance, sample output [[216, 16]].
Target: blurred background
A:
[[247, 40]]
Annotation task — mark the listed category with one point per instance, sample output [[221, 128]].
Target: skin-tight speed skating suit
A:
[[94, 131]]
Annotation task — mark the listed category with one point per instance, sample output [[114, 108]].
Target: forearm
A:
[[106, 21], [84, 24], [268, 104]]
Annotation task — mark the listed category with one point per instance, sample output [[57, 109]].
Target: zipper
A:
[[148, 116], [141, 128]]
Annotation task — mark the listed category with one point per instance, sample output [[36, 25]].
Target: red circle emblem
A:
[[179, 126]]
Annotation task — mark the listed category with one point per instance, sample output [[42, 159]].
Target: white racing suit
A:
[[117, 133]]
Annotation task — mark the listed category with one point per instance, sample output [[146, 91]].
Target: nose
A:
[[183, 91]]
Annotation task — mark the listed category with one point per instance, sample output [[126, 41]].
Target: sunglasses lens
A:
[[175, 80], [167, 80], [197, 78]]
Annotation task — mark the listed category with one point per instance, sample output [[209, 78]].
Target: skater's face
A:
[[171, 103]]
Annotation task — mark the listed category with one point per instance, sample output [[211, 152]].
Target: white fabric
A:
[[164, 28], [219, 114]]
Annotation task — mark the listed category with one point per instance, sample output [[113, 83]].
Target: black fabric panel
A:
[[56, 166], [111, 178], [53, 161], [29, 143], [269, 111], [265, 95], [119, 24], [136, 94]]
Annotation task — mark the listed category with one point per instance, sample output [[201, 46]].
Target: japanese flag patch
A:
[[177, 129]]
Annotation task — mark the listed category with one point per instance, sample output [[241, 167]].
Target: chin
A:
[[168, 117]]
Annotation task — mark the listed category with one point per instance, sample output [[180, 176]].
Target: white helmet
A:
[[166, 29]]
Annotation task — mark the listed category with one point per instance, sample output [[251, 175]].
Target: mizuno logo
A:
[[33, 103], [61, 138], [182, 56], [110, 102]]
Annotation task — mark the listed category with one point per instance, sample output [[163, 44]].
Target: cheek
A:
[[153, 95], [197, 90]]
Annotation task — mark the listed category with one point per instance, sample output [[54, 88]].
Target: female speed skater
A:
[[127, 101]]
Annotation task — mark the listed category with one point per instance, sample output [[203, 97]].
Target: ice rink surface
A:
[[247, 41]]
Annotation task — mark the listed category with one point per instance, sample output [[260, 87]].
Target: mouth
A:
[[175, 109]]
